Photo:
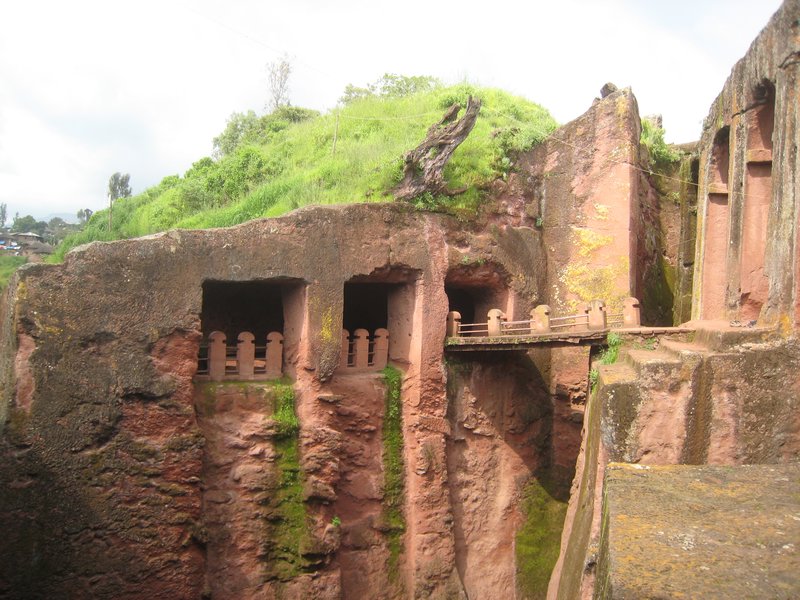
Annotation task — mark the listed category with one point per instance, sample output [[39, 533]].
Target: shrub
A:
[[661, 154]]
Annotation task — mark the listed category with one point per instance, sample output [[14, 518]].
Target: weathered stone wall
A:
[[687, 174], [750, 211], [668, 209], [585, 180], [727, 398], [120, 473], [704, 532], [103, 456], [502, 431]]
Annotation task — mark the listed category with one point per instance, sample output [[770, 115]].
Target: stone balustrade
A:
[[244, 361], [362, 351], [590, 316]]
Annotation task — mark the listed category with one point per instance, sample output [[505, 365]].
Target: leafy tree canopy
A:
[[84, 215], [119, 186], [391, 86], [28, 224], [250, 129]]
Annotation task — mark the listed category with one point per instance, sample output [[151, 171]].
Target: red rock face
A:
[[22, 372], [351, 416], [747, 246], [130, 478], [500, 437]]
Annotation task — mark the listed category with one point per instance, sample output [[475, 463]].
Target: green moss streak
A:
[[539, 539], [659, 293], [284, 415], [287, 534], [393, 468]]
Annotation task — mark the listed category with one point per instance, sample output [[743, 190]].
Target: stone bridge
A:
[[589, 325]]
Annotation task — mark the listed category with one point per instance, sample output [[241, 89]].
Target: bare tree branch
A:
[[424, 165], [278, 77]]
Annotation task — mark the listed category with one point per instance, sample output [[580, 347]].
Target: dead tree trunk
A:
[[424, 165]]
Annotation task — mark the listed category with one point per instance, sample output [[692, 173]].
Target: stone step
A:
[[721, 336], [650, 362], [614, 374], [679, 349]]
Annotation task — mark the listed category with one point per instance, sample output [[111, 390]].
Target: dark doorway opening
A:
[[473, 291], [235, 306], [258, 307], [473, 303], [366, 305]]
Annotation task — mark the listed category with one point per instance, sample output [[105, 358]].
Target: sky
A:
[[92, 87]]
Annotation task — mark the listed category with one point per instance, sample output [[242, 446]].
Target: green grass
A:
[[539, 539], [284, 414], [9, 264], [291, 164], [393, 483], [608, 356], [611, 353]]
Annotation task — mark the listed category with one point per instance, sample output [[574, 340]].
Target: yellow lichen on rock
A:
[[589, 240], [586, 282]]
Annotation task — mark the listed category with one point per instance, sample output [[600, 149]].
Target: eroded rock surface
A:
[[126, 474], [700, 532]]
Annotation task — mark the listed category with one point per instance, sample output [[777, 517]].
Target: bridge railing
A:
[[218, 361], [591, 316]]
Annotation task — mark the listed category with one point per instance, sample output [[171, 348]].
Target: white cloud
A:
[[91, 87]]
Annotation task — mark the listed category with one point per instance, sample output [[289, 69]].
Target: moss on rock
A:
[[539, 538], [393, 479]]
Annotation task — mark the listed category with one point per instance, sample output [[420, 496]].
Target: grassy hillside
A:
[[9, 264], [286, 160]]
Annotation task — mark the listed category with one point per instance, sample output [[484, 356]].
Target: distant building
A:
[[28, 244]]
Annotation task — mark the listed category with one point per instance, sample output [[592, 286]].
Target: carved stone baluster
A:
[[274, 355], [495, 322], [380, 349], [245, 354], [361, 348], [453, 323], [540, 319], [216, 356], [631, 314], [597, 315]]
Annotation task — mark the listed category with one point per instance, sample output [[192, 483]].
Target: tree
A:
[[250, 129], [84, 215], [353, 93], [278, 78], [238, 126], [28, 224], [400, 86], [58, 229], [423, 169], [118, 187], [3, 214], [390, 86]]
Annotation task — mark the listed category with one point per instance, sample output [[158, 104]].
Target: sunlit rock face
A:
[[206, 414], [747, 234]]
